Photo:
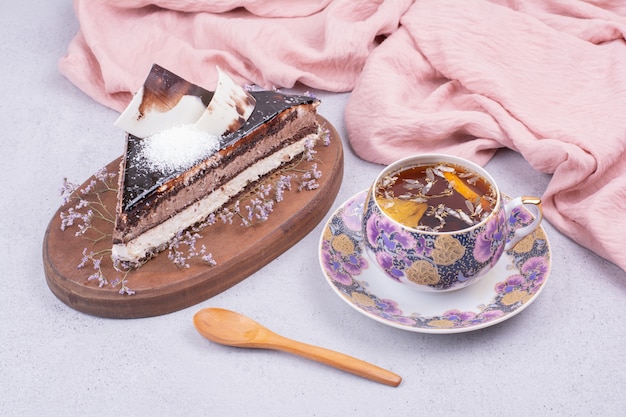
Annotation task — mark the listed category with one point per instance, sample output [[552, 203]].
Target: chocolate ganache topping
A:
[[141, 182]]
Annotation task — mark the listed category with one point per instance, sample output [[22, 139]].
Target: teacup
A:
[[439, 223]]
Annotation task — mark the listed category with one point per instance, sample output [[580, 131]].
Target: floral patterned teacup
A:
[[430, 259]]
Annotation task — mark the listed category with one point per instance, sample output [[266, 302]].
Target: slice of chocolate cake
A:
[[189, 152]]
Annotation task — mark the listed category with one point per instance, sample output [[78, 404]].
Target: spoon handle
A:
[[337, 360]]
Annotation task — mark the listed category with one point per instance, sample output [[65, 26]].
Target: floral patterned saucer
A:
[[511, 286]]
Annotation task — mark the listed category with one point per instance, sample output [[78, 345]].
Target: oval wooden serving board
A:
[[160, 286]]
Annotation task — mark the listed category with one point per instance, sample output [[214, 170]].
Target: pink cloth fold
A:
[[547, 79], [272, 43]]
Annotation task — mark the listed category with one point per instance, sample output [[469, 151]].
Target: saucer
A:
[[511, 286]]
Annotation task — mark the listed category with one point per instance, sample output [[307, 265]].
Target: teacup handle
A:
[[524, 231]]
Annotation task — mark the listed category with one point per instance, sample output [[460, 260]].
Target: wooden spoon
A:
[[233, 329]]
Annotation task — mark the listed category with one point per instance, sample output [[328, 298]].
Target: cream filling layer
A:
[[138, 248]]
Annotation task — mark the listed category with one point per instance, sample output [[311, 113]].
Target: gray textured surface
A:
[[563, 356]]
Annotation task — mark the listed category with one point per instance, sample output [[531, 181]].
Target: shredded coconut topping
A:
[[178, 148]]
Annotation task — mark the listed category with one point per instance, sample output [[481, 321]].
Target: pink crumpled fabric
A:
[[547, 79], [270, 43]]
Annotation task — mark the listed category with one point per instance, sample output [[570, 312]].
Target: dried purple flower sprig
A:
[[189, 239], [90, 198], [98, 275], [326, 137]]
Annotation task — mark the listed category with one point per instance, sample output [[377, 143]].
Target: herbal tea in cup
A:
[[439, 223], [441, 197]]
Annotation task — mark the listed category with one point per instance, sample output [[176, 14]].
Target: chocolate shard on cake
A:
[[189, 152]]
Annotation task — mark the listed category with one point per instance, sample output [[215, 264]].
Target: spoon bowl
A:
[[226, 327], [233, 329]]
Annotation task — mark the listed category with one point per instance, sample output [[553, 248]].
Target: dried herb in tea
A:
[[439, 197]]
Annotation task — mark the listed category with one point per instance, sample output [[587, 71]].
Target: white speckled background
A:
[[563, 356]]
